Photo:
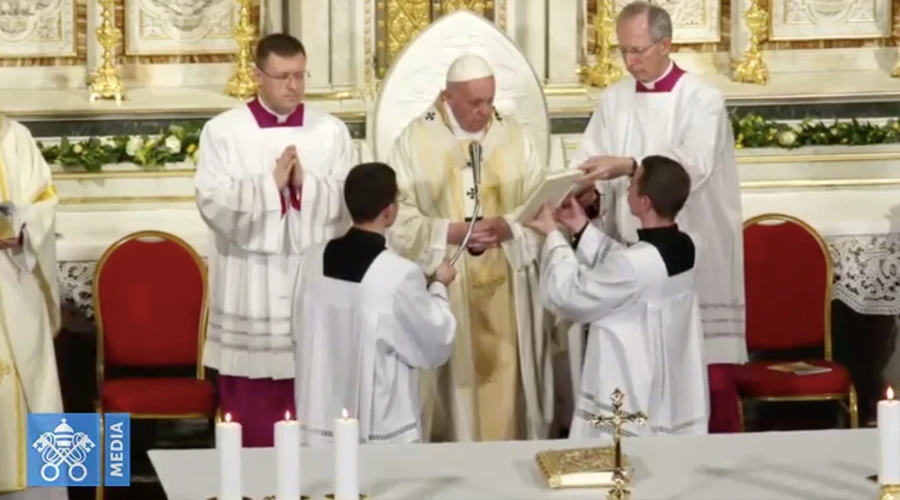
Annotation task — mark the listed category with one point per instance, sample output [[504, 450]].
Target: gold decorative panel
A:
[[183, 32], [397, 22], [698, 25], [43, 33]]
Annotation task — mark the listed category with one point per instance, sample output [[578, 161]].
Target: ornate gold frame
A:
[[851, 406], [98, 320]]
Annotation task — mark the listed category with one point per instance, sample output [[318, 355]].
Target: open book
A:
[[580, 467], [10, 223], [800, 368], [554, 189]]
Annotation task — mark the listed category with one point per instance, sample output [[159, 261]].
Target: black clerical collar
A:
[[646, 234], [365, 236]]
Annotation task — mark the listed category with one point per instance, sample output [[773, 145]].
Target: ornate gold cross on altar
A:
[[617, 420]]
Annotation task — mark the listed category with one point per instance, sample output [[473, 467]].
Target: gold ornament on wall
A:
[[604, 71], [752, 68], [105, 82], [242, 83]]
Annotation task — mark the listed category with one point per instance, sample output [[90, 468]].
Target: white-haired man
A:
[[498, 383], [662, 110]]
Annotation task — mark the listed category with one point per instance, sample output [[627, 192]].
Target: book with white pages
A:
[[553, 190]]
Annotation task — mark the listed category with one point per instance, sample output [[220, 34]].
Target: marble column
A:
[[526, 24], [310, 21], [740, 33], [565, 33]]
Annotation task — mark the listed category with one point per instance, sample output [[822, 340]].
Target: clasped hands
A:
[[487, 233], [288, 169]]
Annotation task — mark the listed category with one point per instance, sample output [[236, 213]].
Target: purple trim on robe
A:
[[257, 404], [267, 120], [724, 399], [666, 84]]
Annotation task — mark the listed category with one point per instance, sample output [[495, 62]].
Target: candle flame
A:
[[287, 415], [345, 414], [890, 392], [228, 417]]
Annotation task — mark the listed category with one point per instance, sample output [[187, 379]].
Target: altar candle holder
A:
[[242, 83], [105, 82]]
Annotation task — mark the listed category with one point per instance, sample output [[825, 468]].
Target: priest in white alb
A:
[[268, 185], [498, 384], [645, 336], [29, 303], [662, 110], [365, 320]]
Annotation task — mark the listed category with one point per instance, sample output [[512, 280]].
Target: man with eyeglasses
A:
[[269, 184], [663, 110]]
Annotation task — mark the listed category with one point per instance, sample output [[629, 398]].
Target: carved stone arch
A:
[[419, 73]]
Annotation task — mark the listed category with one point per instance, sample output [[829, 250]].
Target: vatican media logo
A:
[[65, 449]]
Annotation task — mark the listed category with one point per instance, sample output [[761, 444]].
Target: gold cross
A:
[[5, 370], [617, 420]]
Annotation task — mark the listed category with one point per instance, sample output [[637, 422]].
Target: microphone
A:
[[475, 159]]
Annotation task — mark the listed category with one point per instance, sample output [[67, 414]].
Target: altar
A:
[[825, 465]]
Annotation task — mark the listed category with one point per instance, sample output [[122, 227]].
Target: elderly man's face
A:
[[645, 59], [472, 102]]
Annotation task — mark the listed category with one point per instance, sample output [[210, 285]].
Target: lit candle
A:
[[287, 453], [889, 437], [346, 456], [228, 446]]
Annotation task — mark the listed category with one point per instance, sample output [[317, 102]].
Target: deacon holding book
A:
[[663, 110], [365, 319], [498, 384], [29, 299], [645, 336], [268, 185]]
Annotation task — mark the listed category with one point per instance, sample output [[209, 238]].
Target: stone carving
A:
[[694, 21], [37, 28], [158, 27], [418, 75], [830, 19]]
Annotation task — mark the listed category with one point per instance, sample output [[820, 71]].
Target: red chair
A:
[[788, 278], [149, 295]]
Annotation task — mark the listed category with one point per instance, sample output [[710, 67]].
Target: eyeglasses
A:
[[631, 51], [286, 77]]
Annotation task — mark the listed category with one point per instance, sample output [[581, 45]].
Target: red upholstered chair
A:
[[149, 295], [788, 278]]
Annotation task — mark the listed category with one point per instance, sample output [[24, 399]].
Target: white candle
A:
[[228, 445], [287, 453], [889, 438], [346, 458]]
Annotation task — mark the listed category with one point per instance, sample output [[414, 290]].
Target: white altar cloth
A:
[[820, 465]]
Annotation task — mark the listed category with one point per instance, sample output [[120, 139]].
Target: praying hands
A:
[[288, 168]]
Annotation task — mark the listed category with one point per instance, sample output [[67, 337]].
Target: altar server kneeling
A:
[[645, 335], [365, 319]]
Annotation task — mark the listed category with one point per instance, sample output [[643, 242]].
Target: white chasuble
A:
[[685, 119], [29, 305], [359, 345], [645, 336], [498, 384], [257, 232]]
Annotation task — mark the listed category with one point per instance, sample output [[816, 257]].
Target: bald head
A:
[[470, 92]]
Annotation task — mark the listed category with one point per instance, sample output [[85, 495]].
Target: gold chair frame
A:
[[98, 321], [848, 401]]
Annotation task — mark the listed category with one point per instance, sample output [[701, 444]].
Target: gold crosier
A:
[[105, 82]]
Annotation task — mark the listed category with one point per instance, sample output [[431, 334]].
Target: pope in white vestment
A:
[[29, 303], [364, 321], [645, 336], [268, 185], [498, 384], [662, 110]]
